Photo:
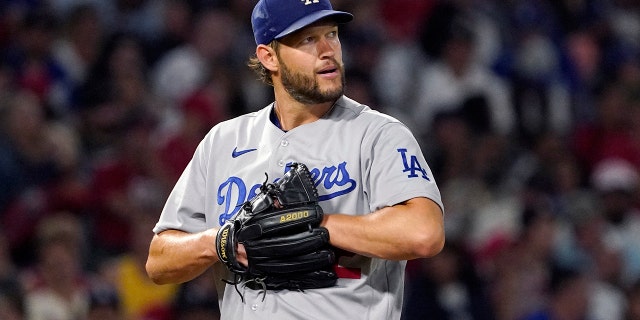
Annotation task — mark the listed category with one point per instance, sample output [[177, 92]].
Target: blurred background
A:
[[528, 112]]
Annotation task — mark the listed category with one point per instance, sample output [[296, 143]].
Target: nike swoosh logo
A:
[[235, 153]]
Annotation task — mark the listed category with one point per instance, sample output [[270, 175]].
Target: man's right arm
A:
[[177, 256]]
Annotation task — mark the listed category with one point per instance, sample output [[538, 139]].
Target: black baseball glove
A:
[[280, 230]]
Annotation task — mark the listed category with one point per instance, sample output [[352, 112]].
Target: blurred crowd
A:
[[528, 113]]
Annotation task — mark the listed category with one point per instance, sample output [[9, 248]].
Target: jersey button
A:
[[281, 163], [254, 307], [284, 143]]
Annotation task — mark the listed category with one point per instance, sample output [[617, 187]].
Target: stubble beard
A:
[[305, 89]]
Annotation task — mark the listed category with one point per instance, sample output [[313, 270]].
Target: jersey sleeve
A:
[[398, 170], [185, 207]]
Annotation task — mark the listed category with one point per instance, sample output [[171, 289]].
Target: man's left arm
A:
[[408, 230]]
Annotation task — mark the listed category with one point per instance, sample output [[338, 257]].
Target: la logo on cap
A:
[[308, 2]]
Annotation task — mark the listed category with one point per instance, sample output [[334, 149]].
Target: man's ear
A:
[[267, 57]]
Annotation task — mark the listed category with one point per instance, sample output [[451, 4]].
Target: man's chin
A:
[[333, 91], [325, 98], [331, 96]]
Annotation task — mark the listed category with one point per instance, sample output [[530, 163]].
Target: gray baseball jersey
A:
[[361, 160]]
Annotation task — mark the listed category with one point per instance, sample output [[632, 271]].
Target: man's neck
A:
[[291, 113]]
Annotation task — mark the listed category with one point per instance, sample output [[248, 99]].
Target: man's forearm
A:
[[176, 256], [406, 231]]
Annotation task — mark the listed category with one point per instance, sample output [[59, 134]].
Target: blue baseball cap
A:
[[274, 19]]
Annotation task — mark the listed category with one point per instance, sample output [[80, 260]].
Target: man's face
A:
[[311, 68]]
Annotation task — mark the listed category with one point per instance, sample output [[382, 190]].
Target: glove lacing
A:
[[238, 280]]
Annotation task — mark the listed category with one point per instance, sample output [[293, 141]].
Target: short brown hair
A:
[[263, 73]]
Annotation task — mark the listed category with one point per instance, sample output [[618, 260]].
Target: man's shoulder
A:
[[363, 112], [252, 116], [230, 127]]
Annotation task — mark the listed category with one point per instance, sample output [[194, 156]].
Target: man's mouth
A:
[[328, 70]]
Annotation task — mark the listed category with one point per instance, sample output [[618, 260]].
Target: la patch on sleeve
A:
[[412, 165]]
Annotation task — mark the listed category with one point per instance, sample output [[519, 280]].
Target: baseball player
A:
[[381, 203]]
